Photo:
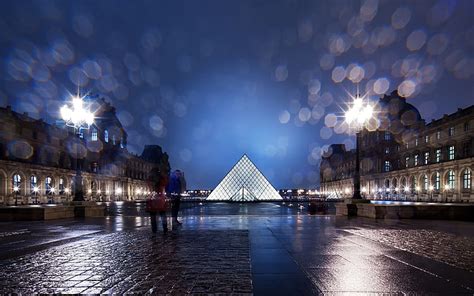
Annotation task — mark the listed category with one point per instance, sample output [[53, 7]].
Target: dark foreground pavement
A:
[[264, 249]]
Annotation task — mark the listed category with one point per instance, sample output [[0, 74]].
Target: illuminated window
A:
[[466, 179], [451, 152], [438, 135], [113, 140], [387, 166], [61, 186], [438, 155], [94, 134], [387, 150], [34, 184], [427, 139], [416, 142], [427, 157], [451, 180], [81, 133], [451, 131], [122, 145], [407, 161], [48, 185], [425, 183], [16, 182], [387, 136], [416, 160], [437, 181], [106, 136]]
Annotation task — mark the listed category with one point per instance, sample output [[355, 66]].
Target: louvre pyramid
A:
[[244, 182]]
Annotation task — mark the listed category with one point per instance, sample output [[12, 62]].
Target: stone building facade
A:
[[38, 160], [404, 158]]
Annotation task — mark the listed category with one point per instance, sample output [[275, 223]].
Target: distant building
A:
[[38, 160], [406, 159]]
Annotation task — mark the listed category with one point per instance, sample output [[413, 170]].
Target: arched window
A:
[[466, 179], [34, 184], [16, 183], [436, 181], [61, 186], [425, 183], [48, 185], [106, 136], [122, 145], [93, 134], [451, 180]]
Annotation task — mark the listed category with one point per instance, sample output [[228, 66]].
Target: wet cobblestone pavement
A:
[[136, 262], [260, 249], [444, 247]]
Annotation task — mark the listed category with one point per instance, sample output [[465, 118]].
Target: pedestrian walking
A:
[[156, 203], [176, 186]]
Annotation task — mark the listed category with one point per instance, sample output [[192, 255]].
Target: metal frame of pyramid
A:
[[244, 182]]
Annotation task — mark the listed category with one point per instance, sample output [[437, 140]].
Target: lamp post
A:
[[76, 116], [16, 189], [357, 117], [35, 193], [431, 188]]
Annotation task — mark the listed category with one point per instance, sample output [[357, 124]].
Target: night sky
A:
[[212, 80]]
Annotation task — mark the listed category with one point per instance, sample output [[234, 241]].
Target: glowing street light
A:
[[16, 189], [75, 115], [357, 117]]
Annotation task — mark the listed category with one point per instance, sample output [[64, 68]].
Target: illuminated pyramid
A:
[[244, 182]]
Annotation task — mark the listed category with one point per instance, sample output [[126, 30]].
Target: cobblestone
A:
[[135, 262], [451, 249]]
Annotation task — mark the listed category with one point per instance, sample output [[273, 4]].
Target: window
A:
[[416, 142], [416, 160], [451, 180], [16, 183], [427, 157], [81, 133], [398, 147], [407, 161], [387, 136], [61, 186], [466, 126], [387, 166], [387, 150], [466, 179], [437, 181], [113, 140], [451, 152], [427, 139], [438, 155], [406, 145], [466, 149], [48, 185], [121, 143], [438, 135], [106, 136], [451, 131], [34, 184], [425, 183], [94, 134]]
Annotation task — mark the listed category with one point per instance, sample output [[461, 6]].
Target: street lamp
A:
[[35, 193], [16, 189], [357, 117], [76, 116], [431, 188]]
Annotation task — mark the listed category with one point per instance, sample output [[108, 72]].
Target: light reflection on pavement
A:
[[290, 253]]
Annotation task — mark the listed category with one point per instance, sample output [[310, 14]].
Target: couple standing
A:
[[174, 185]]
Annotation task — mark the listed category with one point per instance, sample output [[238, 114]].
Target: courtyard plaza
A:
[[232, 248]]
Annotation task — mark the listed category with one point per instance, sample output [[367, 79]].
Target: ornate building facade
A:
[[404, 158], [38, 160]]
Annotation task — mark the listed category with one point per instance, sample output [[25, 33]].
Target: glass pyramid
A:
[[244, 182]]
